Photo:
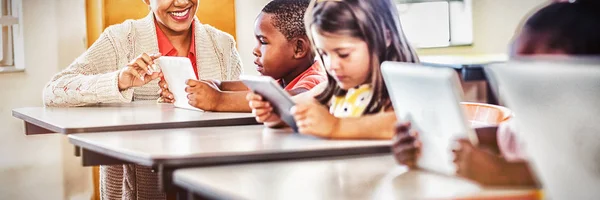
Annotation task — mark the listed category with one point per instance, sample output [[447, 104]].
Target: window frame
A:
[[461, 22], [11, 44]]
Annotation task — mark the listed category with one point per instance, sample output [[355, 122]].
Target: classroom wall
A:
[[494, 24], [41, 167], [246, 12]]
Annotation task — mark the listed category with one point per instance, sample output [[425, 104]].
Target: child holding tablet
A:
[[282, 52], [558, 29], [353, 38]]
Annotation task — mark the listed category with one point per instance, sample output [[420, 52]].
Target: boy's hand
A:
[[202, 94], [262, 110], [477, 164], [314, 119], [407, 146], [165, 95]]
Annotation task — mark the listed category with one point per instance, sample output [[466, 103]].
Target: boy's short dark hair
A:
[[288, 16]]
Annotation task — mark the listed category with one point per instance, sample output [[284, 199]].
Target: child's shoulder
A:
[[313, 78], [310, 78]]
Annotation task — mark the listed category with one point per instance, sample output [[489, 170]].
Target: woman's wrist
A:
[[121, 84]]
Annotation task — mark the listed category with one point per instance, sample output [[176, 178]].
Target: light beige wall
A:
[[246, 12], [41, 167], [494, 24]]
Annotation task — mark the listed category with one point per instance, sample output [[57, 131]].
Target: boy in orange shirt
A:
[[283, 52]]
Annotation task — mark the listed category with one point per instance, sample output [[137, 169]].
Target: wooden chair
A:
[[96, 179]]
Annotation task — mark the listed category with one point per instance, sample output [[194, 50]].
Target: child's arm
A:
[[375, 126], [314, 119], [205, 95], [488, 169], [230, 85], [488, 139], [518, 173], [233, 102]]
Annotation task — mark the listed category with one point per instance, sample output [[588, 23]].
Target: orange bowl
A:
[[481, 114]]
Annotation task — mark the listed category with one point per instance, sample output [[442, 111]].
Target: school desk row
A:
[[230, 156]]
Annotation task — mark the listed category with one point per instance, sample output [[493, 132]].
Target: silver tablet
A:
[[556, 106], [273, 93], [429, 97]]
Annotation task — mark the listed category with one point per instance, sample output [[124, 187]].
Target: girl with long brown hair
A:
[[352, 38]]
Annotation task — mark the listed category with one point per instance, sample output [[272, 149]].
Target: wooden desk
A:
[[140, 115], [374, 177], [167, 150]]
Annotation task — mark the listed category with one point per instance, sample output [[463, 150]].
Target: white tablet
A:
[[177, 70], [273, 93], [429, 97], [556, 106]]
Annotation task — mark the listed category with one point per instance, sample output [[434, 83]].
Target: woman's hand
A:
[[165, 95], [138, 72]]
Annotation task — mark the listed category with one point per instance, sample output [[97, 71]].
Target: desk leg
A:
[[165, 178], [77, 151], [188, 195], [184, 195], [165, 184], [31, 129]]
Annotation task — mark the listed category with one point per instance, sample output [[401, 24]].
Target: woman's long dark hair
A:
[[373, 21]]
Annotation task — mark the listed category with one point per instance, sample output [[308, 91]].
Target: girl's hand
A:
[[314, 119]]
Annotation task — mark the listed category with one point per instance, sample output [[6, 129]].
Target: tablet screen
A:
[[177, 70], [273, 93]]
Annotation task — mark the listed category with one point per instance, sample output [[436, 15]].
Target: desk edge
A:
[[36, 122]]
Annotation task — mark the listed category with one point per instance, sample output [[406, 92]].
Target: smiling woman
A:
[[101, 14], [118, 67]]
